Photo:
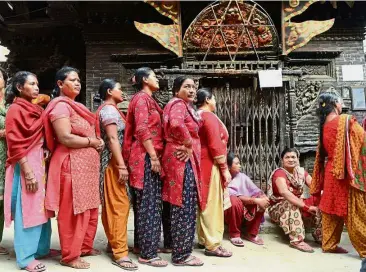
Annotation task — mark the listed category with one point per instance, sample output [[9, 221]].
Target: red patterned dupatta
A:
[[349, 158]]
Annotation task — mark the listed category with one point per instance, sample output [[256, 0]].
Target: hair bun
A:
[[97, 98]]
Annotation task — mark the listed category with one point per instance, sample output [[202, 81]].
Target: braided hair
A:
[[327, 103]]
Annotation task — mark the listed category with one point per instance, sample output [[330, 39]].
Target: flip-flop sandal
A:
[[219, 252], [255, 240], [237, 242], [200, 246], [74, 264], [302, 246], [126, 261], [35, 266], [93, 252], [152, 262], [190, 261], [338, 250], [4, 251]]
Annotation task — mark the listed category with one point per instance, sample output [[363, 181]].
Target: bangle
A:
[[88, 140], [122, 167], [23, 162], [306, 208], [154, 158]]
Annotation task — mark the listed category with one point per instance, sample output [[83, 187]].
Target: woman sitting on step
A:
[[248, 202], [288, 206]]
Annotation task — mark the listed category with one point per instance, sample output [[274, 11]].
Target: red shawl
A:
[[97, 123], [24, 128], [79, 108]]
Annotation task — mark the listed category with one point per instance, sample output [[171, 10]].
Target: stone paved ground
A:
[[276, 255]]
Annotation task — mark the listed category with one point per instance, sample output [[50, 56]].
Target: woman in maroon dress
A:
[[181, 165]]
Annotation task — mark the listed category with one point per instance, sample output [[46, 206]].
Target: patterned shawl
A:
[[296, 179], [349, 157]]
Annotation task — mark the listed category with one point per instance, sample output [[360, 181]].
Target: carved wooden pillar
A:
[[292, 112]]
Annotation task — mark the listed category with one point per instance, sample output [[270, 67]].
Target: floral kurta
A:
[[181, 126], [143, 123]]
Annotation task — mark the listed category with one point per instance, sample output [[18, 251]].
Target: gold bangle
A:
[[88, 141]]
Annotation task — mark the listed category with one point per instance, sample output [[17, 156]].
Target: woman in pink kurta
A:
[[73, 188], [25, 174], [181, 165]]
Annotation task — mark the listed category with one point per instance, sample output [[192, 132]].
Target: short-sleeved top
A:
[[109, 115], [84, 162], [280, 173]]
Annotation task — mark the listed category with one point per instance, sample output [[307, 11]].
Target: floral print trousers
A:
[[183, 219], [290, 219], [148, 208]]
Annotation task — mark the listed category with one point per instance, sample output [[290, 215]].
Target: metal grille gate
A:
[[255, 120]]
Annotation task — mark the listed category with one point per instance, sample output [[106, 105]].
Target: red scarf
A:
[[78, 107], [24, 128], [97, 123]]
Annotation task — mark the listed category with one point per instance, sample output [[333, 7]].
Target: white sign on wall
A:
[[352, 72], [270, 78]]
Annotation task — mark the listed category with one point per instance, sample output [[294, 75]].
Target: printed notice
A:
[[352, 72], [270, 78]]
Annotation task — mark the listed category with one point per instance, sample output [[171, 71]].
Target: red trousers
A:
[[234, 218], [76, 232]]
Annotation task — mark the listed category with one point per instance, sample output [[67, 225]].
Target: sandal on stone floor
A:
[[190, 261], [126, 264], [154, 262], [302, 246], [237, 241], [76, 264], [255, 240], [3, 251], [219, 252], [337, 250], [35, 266]]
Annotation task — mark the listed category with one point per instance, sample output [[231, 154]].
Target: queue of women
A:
[[172, 165]]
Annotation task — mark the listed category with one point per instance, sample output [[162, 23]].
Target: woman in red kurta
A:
[[215, 176], [181, 165], [142, 149], [73, 176], [339, 181]]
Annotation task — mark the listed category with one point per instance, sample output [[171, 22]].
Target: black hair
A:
[[107, 84], [230, 159], [4, 75], [62, 75], [326, 104], [202, 95], [178, 82], [17, 80], [289, 150], [140, 74]]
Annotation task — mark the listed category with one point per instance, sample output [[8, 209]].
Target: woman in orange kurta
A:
[[341, 180], [73, 182], [215, 176]]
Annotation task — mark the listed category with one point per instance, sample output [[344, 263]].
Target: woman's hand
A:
[[97, 144], [313, 210], [227, 177], [263, 203], [184, 153], [122, 175], [31, 184], [155, 164], [2, 133]]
